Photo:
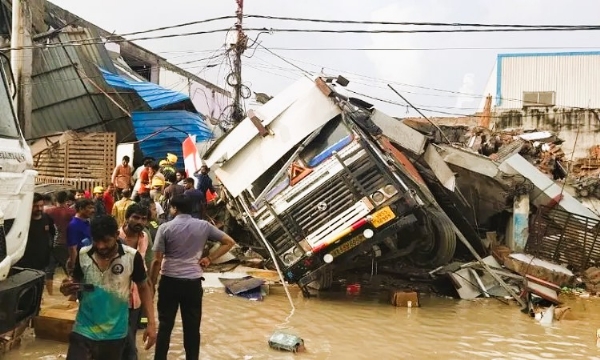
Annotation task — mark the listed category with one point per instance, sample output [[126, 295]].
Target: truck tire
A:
[[444, 242]]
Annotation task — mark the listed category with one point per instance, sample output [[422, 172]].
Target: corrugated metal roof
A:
[[169, 128], [154, 95], [64, 94]]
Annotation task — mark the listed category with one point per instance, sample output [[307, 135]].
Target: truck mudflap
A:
[[20, 297]]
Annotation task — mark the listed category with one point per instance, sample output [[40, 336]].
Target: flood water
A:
[[368, 327]]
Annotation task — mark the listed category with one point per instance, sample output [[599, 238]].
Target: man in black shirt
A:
[[40, 237], [198, 199], [204, 181]]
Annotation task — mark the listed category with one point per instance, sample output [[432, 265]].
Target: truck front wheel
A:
[[439, 245]]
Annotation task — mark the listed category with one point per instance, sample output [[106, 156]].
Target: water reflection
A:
[[366, 327]]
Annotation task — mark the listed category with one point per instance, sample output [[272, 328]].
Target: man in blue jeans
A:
[[180, 243]]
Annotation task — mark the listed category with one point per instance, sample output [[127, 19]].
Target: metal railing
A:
[[565, 238]]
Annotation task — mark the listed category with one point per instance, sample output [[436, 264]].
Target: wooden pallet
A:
[[76, 183], [89, 157]]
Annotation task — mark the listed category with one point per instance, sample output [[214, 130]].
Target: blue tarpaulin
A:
[[170, 129], [154, 95]]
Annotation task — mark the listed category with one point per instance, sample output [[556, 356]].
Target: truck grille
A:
[[338, 193], [3, 251]]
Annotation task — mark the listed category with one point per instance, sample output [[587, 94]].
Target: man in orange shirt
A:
[[145, 177], [121, 176]]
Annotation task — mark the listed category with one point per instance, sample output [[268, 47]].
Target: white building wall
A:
[[207, 101], [574, 77]]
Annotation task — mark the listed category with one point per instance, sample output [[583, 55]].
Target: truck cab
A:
[[312, 180], [20, 289]]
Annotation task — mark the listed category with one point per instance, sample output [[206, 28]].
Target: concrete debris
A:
[[591, 279], [525, 264], [286, 342], [543, 289]]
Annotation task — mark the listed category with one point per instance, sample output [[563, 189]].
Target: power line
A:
[[284, 59], [411, 23], [169, 27], [269, 68], [117, 39], [427, 31], [404, 84], [378, 79], [93, 41], [434, 49], [192, 52]]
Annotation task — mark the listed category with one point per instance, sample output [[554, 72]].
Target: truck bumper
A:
[[20, 297], [379, 234]]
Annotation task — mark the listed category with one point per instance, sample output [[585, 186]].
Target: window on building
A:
[[539, 98]]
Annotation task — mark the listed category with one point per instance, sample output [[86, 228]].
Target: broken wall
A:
[[566, 123]]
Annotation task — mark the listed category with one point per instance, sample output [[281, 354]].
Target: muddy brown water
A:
[[337, 326]]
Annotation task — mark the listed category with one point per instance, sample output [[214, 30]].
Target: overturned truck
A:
[[314, 176]]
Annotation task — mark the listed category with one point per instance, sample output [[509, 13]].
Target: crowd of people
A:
[[113, 243]]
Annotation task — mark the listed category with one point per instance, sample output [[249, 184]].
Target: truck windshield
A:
[[331, 134], [8, 123]]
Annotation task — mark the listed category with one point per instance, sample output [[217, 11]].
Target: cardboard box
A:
[[403, 298], [55, 322]]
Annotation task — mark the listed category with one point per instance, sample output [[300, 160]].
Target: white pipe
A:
[[273, 256]]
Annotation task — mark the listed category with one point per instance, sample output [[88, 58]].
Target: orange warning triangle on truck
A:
[[298, 172]]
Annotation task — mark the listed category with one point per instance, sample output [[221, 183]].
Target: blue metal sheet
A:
[[171, 129], [154, 95]]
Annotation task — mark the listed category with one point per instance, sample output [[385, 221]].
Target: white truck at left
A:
[[20, 289]]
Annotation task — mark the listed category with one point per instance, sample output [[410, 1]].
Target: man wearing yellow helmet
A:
[[157, 186], [168, 165], [99, 207]]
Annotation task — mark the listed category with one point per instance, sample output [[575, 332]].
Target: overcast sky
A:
[[428, 78]]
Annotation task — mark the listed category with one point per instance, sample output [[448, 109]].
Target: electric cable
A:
[[411, 23]]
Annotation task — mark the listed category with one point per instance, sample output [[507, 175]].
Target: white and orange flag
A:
[[192, 160]]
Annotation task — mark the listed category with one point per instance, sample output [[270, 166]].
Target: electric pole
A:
[[21, 58], [237, 114]]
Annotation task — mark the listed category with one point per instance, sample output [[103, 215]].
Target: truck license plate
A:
[[382, 216], [350, 244]]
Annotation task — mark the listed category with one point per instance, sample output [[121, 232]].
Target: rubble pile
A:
[[585, 174], [541, 148], [591, 278]]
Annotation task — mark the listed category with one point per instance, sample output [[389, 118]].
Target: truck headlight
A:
[[291, 256], [378, 197], [390, 190]]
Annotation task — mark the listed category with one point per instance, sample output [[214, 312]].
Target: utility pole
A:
[[21, 58], [237, 114]]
